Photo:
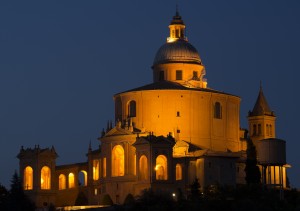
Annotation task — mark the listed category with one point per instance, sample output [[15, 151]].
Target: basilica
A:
[[165, 135]]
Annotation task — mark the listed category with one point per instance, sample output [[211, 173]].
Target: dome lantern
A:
[[177, 28]]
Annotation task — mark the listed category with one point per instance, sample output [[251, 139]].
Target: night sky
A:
[[61, 62]]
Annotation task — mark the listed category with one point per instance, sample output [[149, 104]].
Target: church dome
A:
[[178, 51]]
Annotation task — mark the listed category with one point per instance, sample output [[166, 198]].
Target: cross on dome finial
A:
[[177, 13]]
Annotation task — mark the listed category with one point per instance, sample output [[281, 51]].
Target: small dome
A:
[[178, 51]]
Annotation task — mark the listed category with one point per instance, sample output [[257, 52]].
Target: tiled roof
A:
[[261, 106], [168, 85]]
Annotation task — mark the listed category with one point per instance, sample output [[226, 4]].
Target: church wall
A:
[[233, 126], [187, 115]]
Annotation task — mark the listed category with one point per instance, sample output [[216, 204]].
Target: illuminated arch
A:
[[118, 161], [46, 178], [132, 109], [71, 180], [82, 178], [96, 169], [178, 172], [62, 182], [28, 178], [161, 168], [143, 168]]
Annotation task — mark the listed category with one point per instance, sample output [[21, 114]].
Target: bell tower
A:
[[261, 119]]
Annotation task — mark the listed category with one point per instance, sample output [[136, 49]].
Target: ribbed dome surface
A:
[[179, 51]]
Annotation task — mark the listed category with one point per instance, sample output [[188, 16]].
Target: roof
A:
[[178, 51], [168, 85], [261, 106], [151, 139]]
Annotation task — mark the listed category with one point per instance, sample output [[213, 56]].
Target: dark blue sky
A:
[[62, 61]]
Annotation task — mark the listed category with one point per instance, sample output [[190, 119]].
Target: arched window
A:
[[28, 178], [267, 130], [178, 172], [132, 109], [161, 168], [254, 130], [45, 178], [82, 178], [96, 165], [143, 168], [118, 161], [71, 180], [217, 110], [62, 182], [259, 129]]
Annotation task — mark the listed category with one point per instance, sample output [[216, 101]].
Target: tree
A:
[[81, 199], [106, 200], [129, 200], [155, 200], [195, 189], [17, 200], [3, 197], [252, 171]]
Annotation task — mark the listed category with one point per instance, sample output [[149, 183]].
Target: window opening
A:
[[45, 178], [143, 168], [218, 110], [132, 109], [118, 161], [178, 75], [62, 182], [71, 179], [28, 178], [161, 75], [178, 172], [161, 168]]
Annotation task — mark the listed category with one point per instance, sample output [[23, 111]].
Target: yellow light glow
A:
[[71, 180], [156, 167], [28, 178], [170, 39], [61, 182], [45, 178]]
